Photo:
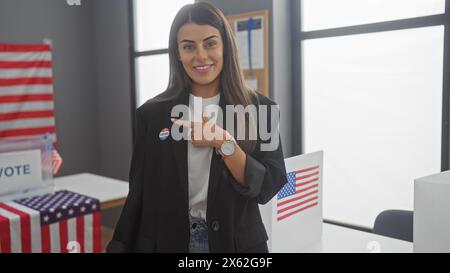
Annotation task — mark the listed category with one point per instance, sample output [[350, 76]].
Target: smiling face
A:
[[200, 49]]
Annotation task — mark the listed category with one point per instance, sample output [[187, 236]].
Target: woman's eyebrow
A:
[[190, 41]]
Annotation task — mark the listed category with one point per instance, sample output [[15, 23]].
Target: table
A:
[[341, 239], [111, 192]]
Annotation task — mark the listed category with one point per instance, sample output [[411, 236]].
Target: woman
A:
[[199, 194]]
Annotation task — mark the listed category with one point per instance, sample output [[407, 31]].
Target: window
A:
[[152, 22], [323, 14], [152, 75], [373, 101]]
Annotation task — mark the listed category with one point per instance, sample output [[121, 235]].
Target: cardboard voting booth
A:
[[432, 213], [25, 167], [34, 218], [293, 218]]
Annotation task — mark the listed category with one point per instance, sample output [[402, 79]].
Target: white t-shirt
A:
[[199, 158]]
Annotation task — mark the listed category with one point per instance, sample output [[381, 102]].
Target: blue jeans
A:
[[199, 235]]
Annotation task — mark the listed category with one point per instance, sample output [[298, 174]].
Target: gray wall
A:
[[76, 104], [91, 77], [112, 64]]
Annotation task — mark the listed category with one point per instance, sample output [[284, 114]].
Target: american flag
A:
[[26, 94], [47, 223], [56, 161], [300, 193]]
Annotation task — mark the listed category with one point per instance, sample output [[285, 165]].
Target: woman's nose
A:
[[201, 54]]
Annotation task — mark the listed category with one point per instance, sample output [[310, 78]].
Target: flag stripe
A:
[[97, 232], [34, 72], [5, 239], [307, 169], [25, 98], [27, 138], [27, 132], [25, 227], [88, 233], [80, 232], [45, 235], [24, 48], [25, 64], [63, 235], [71, 230], [297, 211], [26, 89], [26, 115], [26, 106], [26, 81], [307, 182], [307, 176], [25, 56], [55, 246], [27, 123]]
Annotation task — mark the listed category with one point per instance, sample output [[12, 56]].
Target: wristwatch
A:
[[227, 148]]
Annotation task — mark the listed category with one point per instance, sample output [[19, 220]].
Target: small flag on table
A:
[[56, 161]]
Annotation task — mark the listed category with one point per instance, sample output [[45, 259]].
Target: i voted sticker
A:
[[164, 134]]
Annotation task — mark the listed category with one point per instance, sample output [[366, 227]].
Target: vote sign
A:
[[20, 171]]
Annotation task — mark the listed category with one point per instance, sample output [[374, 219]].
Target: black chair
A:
[[397, 224]]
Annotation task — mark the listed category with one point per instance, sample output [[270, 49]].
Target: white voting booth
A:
[[432, 213], [25, 167], [293, 218]]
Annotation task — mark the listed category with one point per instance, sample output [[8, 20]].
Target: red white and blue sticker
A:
[[164, 134]]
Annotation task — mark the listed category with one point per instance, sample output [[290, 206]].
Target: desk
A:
[[341, 239], [111, 192]]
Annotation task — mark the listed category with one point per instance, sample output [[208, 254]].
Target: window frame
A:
[[134, 55]]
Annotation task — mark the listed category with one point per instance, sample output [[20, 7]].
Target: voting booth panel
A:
[[432, 213], [293, 218], [25, 167]]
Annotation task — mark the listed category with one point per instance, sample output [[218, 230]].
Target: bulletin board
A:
[[251, 30]]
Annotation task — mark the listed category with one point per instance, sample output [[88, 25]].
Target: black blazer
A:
[[155, 216]]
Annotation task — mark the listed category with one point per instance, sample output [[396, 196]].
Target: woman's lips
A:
[[203, 68]]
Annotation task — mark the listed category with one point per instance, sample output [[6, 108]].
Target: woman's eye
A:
[[211, 44], [188, 47]]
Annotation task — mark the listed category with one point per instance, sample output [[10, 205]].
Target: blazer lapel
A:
[[179, 149]]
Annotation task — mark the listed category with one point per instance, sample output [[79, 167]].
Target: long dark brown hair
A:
[[232, 84]]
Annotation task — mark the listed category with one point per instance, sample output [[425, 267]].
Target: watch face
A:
[[227, 148]]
